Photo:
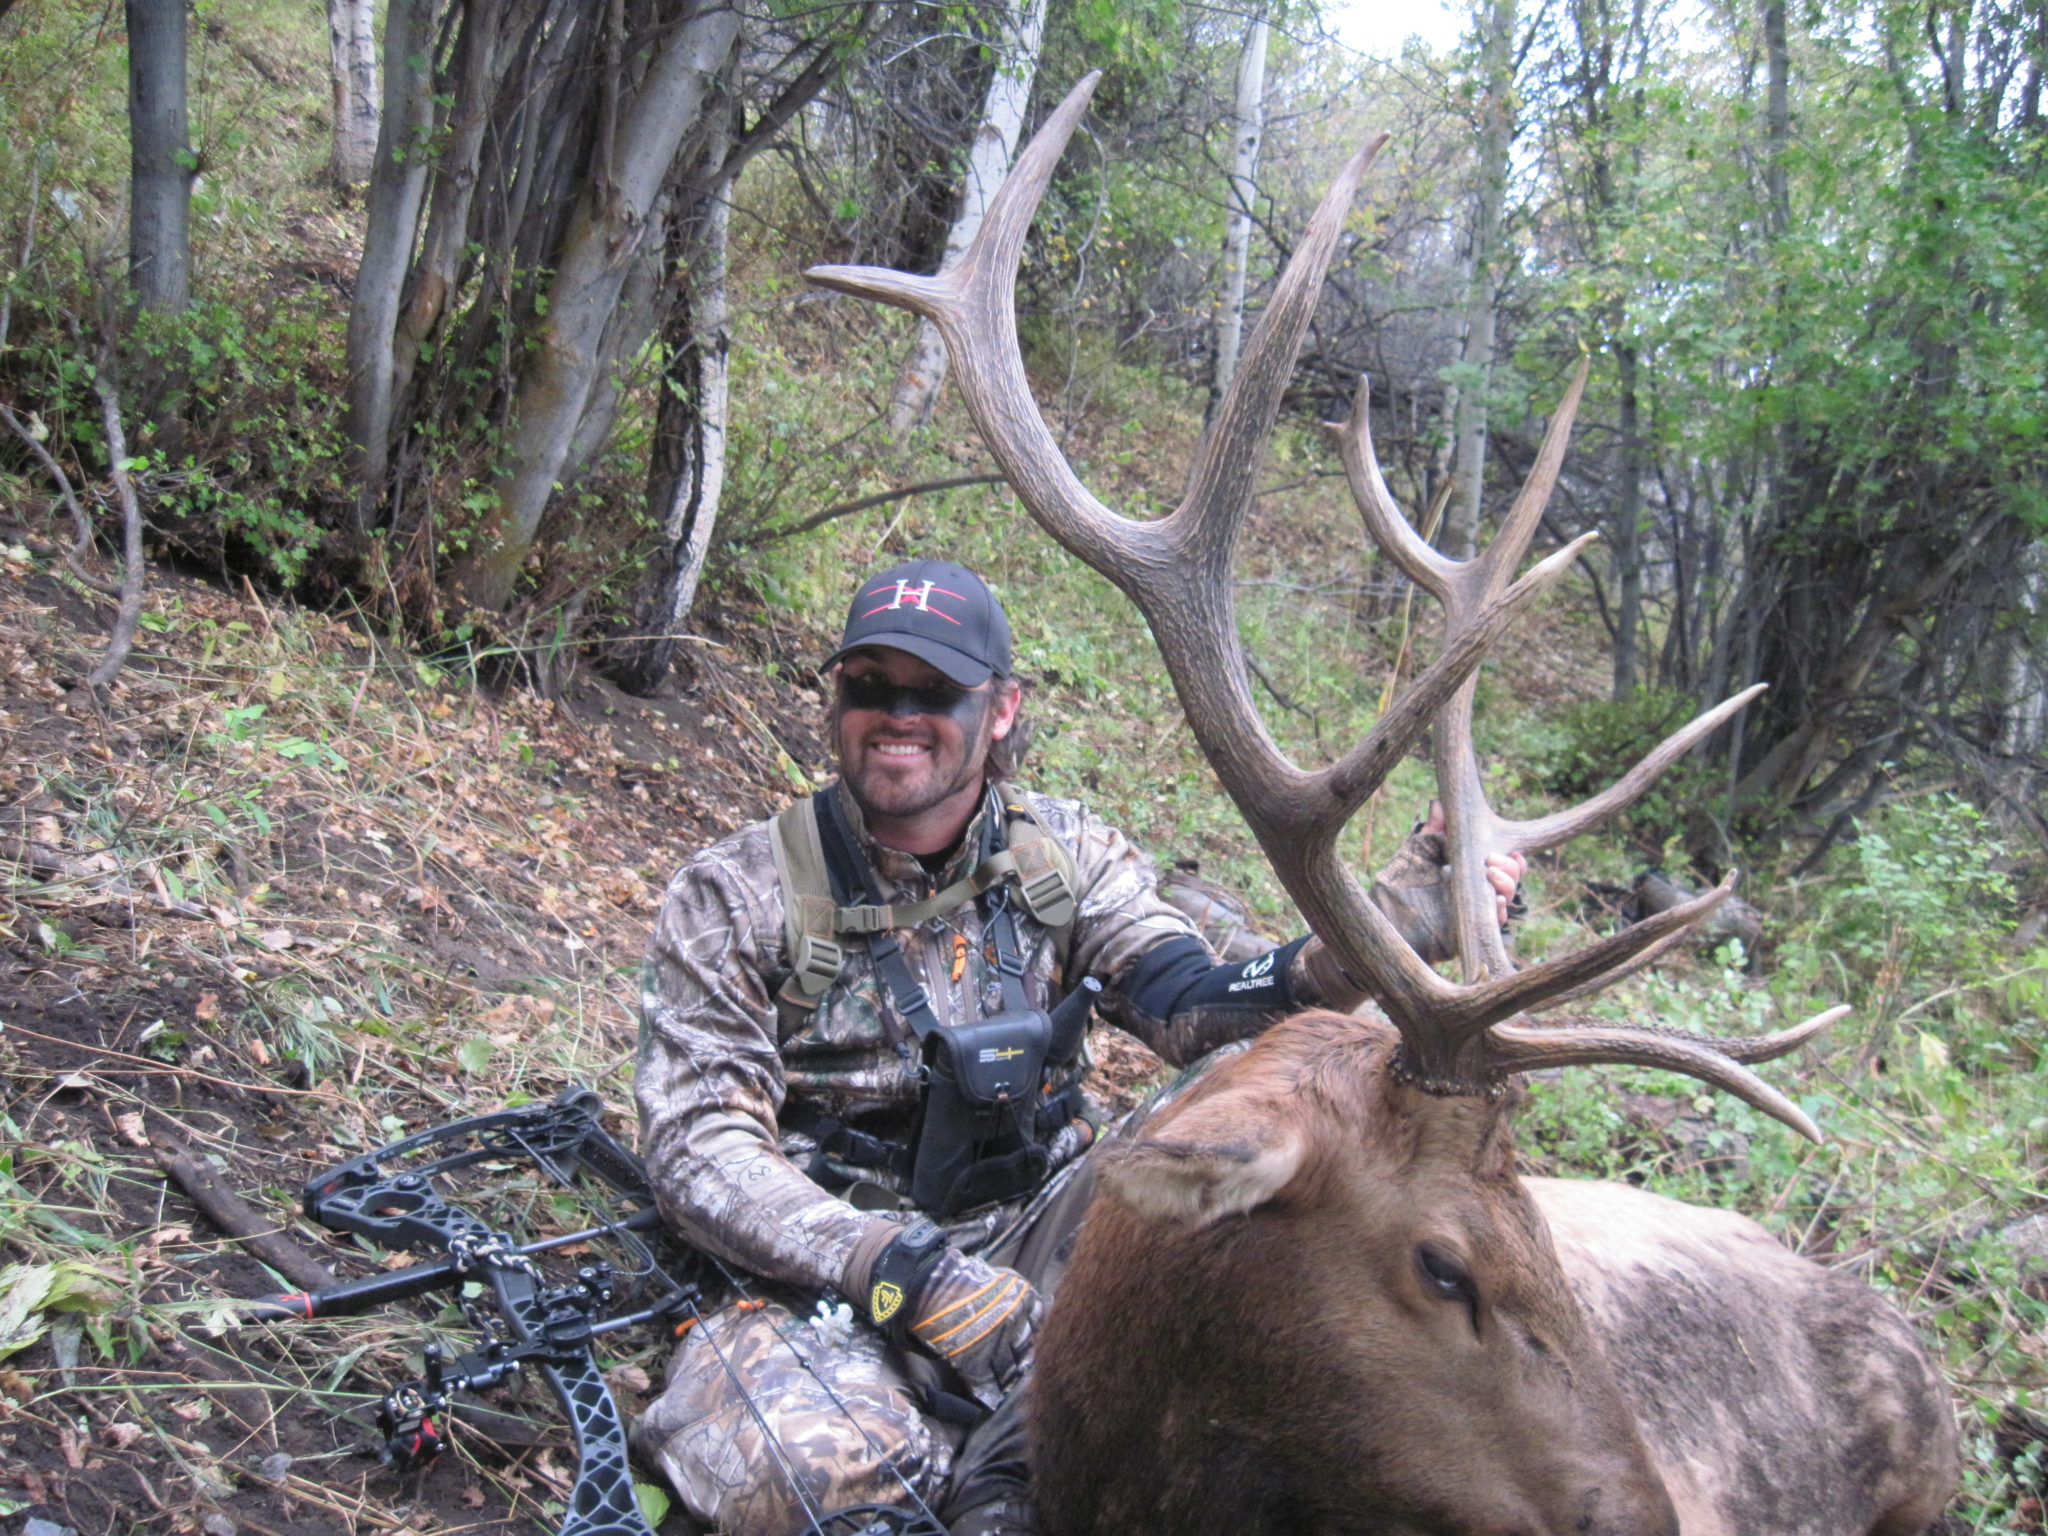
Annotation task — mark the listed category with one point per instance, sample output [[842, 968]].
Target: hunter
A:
[[857, 1085]]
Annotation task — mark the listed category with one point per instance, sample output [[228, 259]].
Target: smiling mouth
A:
[[900, 748]]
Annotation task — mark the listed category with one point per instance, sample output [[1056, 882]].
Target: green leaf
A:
[[474, 1054], [654, 1502]]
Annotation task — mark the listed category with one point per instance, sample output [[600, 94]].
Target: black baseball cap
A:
[[939, 612]]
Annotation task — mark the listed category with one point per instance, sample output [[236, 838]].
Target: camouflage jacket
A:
[[717, 1067]]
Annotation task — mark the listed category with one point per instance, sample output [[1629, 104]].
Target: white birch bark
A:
[[692, 511], [1018, 42], [1237, 238], [352, 74]]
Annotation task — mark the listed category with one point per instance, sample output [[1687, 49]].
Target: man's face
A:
[[911, 742]]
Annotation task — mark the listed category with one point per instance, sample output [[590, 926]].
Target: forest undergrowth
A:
[[297, 891]]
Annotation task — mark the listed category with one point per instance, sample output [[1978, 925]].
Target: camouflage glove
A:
[[977, 1318], [1411, 893]]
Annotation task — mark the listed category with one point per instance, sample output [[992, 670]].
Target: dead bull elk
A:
[[1315, 1297]]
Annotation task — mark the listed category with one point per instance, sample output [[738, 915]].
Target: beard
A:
[[955, 760]]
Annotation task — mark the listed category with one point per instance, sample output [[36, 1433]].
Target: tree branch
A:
[[841, 509], [80, 524]]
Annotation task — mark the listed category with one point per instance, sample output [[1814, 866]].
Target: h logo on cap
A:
[[916, 595]]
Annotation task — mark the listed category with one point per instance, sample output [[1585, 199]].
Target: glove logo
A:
[[1257, 967], [885, 1300]]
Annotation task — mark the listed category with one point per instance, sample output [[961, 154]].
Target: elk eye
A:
[[1448, 1277]]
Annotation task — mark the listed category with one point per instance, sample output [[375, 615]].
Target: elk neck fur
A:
[[1285, 1320]]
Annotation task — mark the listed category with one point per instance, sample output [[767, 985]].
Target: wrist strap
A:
[[899, 1274]]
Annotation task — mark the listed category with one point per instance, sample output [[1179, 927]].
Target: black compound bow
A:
[[388, 1196]]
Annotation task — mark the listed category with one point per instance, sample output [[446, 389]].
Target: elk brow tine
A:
[[1381, 514], [1559, 827], [1531, 1047]]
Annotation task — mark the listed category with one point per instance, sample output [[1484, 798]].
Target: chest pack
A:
[[995, 1089]]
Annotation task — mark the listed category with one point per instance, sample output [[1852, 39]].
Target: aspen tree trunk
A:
[[161, 160], [1628, 533], [1496, 137], [2024, 723], [398, 183], [352, 61], [1019, 38], [686, 475], [611, 220], [1250, 130]]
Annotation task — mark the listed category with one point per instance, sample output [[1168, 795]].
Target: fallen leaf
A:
[[207, 1009], [122, 1435], [192, 1410], [130, 1127], [473, 1497], [74, 1450], [628, 1378], [276, 938]]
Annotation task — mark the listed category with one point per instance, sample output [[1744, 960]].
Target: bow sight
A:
[[389, 1197]]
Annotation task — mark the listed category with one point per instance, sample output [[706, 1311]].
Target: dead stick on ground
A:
[[162, 1068], [228, 1211]]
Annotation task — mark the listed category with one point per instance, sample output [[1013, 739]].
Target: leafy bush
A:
[[1593, 741]]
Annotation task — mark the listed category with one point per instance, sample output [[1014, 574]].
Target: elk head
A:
[[1363, 1176]]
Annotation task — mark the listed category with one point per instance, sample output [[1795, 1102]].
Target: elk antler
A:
[[1177, 570]]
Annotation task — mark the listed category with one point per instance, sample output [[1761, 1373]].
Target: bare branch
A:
[[81, 525], [839, 509]]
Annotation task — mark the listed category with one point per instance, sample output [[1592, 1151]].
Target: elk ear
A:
[[1224, 1155]]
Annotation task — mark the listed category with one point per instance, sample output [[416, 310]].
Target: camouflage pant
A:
[[843, 1405]]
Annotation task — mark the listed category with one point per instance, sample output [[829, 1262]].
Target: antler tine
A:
[[1356, 776], [1394, 534], [1597, 964], [1499, 559], [1525, 1047], [1449, 1043], [1228, 461], [974, 309], [1561, 826], [1600, 983]]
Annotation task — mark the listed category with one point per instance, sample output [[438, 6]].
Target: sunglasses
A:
[[872, 690]]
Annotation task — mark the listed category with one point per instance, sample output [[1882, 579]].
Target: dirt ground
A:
[[287, 895], [165, 927]]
